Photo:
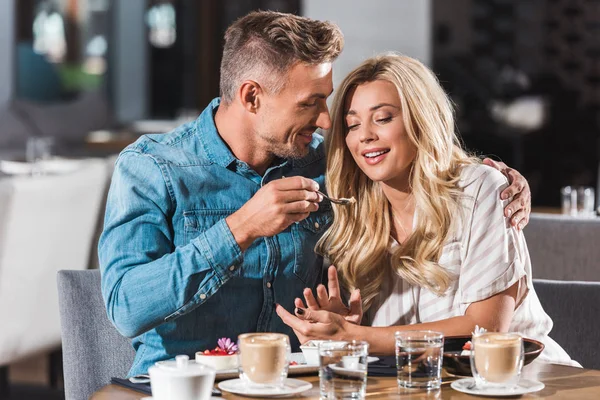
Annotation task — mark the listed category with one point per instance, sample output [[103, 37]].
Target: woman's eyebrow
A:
[[375, 107]]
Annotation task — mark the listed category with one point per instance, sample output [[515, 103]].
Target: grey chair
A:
[[575, 310], [93, 350], [564, 248]]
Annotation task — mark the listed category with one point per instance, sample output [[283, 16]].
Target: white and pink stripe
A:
[[487, 256]]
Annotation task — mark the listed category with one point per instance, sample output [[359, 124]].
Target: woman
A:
[[427, 243]]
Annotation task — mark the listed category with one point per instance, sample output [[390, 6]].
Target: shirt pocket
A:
[[451, 258], [197, 221], [308, 265]]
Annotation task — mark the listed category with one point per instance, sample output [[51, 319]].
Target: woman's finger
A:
[[322, 296], [311, 302], [293, 322], [355, 305], [333, 282], [299, 303]]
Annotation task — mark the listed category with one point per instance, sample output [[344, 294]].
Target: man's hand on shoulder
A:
[[273, 208], [520, 207]]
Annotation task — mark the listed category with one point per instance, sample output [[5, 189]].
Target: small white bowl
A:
[[310, 350], [220, 363]]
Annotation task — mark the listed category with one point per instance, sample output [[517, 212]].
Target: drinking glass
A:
[[343, 369], [578, 201], [419, 356], [585, 202], [263, 359], [38, 149], [497, 359]]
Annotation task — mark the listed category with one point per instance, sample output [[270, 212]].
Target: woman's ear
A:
[[249, 95]]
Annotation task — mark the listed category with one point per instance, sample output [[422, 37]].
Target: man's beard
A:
[[288, 150]]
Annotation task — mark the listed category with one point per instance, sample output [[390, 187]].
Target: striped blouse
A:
[[486, 256]]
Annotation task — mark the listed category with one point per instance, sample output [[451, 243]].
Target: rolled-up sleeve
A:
[[492, 261], [146, 280]]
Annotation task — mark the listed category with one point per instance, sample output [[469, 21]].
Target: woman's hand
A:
[[331, 301], [316, 324], [520, 207]]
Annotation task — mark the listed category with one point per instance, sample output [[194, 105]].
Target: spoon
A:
[[342, 201]]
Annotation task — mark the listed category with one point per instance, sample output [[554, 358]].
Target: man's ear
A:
[[249, 95]]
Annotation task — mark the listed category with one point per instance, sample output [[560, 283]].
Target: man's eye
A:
[[308, 104]]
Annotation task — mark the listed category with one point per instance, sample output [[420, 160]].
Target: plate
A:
[[301, 369], [152, 398], [291, 386], [525, 386], [211, 398], [456, 364]]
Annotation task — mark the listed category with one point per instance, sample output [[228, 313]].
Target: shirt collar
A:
[[215, 148]]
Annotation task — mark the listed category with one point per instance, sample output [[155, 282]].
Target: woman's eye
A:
[[384, 120], [352, 127]]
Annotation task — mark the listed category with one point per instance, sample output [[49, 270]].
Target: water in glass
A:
[[419, 356], [343, 369]]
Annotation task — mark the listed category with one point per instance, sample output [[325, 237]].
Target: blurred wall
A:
[[129, 83], [7, 30], [372, 27]]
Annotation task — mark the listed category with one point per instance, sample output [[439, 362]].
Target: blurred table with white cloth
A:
[[47, 223]]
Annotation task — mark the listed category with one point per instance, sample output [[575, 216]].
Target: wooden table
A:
[[561, 383]]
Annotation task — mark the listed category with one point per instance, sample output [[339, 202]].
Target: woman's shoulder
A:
[[475, 177]]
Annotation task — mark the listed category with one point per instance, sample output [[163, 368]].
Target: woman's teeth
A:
[[376, 153]]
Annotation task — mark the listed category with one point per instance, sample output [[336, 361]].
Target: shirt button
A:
[[269, 285], [232, 268], [317, 225], [202, 296]]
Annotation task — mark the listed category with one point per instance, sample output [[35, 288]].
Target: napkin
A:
[[145, 387], [385, 366], [140, 387]]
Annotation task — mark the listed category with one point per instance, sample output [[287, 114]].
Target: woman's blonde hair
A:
[[358, 241]]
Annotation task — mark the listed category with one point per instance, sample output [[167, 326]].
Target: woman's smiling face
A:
[[376, 135]]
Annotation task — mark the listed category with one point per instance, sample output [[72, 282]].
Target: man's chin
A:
[[294, 153]]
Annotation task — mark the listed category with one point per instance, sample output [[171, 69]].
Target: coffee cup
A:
[[263, 359], [181, 379], [497, 358]]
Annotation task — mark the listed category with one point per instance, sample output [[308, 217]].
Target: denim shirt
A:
[[173, 277]]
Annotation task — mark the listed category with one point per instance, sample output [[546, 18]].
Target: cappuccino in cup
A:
[[263, 358], [497, 358]]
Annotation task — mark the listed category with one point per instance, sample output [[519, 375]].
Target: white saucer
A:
[[152, 398], [291, 386], [525, 386]]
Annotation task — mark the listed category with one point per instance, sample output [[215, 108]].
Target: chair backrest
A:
[[47, 223], [563, 247], [575, 310], [93, 350]]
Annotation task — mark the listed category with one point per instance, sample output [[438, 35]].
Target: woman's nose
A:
[[367, 135]]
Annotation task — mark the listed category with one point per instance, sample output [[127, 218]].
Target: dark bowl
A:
[[456, 364]]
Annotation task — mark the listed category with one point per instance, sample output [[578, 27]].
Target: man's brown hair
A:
[[263, 45]]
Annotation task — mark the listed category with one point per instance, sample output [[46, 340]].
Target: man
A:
[[209, 226]]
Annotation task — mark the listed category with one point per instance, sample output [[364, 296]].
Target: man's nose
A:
[[324, 120]]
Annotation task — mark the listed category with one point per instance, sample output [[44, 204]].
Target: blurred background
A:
[[93, 75], [525, 76]]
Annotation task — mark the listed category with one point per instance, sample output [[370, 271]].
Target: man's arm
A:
[[520, 207], [146, 280]]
